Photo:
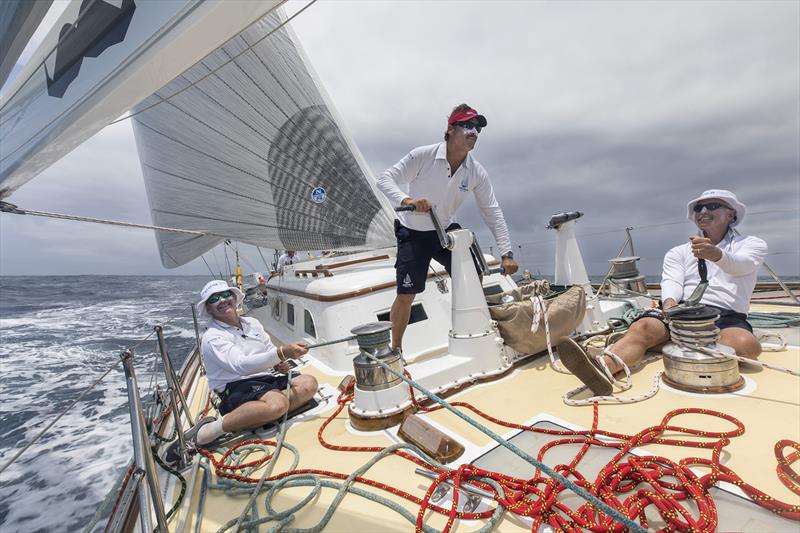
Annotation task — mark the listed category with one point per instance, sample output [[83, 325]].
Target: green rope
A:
[[623, 322], [773, 320], [271, 464], [182, 480], [346, 487]]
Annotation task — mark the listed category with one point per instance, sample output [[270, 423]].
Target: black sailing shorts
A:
[[415, 249], [249, 389]]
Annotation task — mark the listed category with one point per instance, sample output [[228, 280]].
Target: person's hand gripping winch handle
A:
[[702, 269], [693, 300], [442, 235]]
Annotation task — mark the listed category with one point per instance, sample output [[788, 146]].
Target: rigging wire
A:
[[216, 260], [247, 263], [227, 260], [202, 256], [6, 207], [263, 259]]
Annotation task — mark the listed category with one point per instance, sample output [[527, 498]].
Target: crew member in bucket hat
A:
[[438, 176], [244, 367], [732, 261]]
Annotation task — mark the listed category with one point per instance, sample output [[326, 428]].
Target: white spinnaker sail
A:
[[245, 145], [100, 59]]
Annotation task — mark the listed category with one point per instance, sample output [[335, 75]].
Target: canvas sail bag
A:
[[515, 319]]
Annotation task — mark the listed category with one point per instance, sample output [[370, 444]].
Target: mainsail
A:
[[244, 145], [18, 20], [101, 58]]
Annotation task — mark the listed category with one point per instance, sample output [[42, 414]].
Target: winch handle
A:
[[443, 236], [702, 268], [444, 240], [693, 301]]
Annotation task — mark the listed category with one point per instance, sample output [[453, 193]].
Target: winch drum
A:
[[371, 376], [693, 371], [373, 339]]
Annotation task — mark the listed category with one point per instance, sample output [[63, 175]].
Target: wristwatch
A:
[[509, 255]]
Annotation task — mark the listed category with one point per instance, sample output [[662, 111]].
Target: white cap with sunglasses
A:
[[211, 288], [727, 198]]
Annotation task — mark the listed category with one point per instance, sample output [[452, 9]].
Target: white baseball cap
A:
[[211, 288], [726, 196]]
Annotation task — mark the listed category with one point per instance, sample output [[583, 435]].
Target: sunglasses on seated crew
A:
[[711, 206], [214, 298], [468, 126]]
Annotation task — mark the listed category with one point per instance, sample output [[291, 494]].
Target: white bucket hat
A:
[[211, 288], [718, 194]]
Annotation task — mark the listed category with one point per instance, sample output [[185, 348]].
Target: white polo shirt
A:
[[230, 353], [425, 173], [731, 280]]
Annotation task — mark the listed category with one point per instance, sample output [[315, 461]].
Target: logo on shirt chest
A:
[[464, 185]]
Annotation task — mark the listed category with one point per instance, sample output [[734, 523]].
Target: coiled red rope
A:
[[632, 484]]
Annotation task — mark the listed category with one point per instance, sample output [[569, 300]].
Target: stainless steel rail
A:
[[143, 456]]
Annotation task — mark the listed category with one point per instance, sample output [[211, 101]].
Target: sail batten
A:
[[245, 144]]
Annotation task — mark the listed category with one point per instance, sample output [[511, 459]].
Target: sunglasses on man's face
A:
[[469, 126], [214, 298], [711, 206]]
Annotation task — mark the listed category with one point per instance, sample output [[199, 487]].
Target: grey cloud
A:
[[623, 110]]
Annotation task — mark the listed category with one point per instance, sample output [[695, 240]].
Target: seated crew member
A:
[[732, 262], [243, 366], [439, 175]]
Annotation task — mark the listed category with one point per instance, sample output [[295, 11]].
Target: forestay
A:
[[245, 145]]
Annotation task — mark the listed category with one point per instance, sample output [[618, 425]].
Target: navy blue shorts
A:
[[415, 249], [727, 318], [247, 390], [732, 319]]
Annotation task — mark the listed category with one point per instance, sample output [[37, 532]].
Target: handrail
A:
[[330, 266], [175, 393], [142, 453]]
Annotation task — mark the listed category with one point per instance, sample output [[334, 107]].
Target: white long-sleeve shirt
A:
[[731, 280], [284, 260], [230, 353], [425, 173]]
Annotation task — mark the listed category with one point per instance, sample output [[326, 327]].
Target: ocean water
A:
[[58, 335]]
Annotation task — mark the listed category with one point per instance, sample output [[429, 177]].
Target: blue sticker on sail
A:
[[318, 195]]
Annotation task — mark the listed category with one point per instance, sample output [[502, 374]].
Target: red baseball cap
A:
[[465, 116]]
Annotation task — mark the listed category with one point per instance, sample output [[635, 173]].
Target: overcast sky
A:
[[622, 110]]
